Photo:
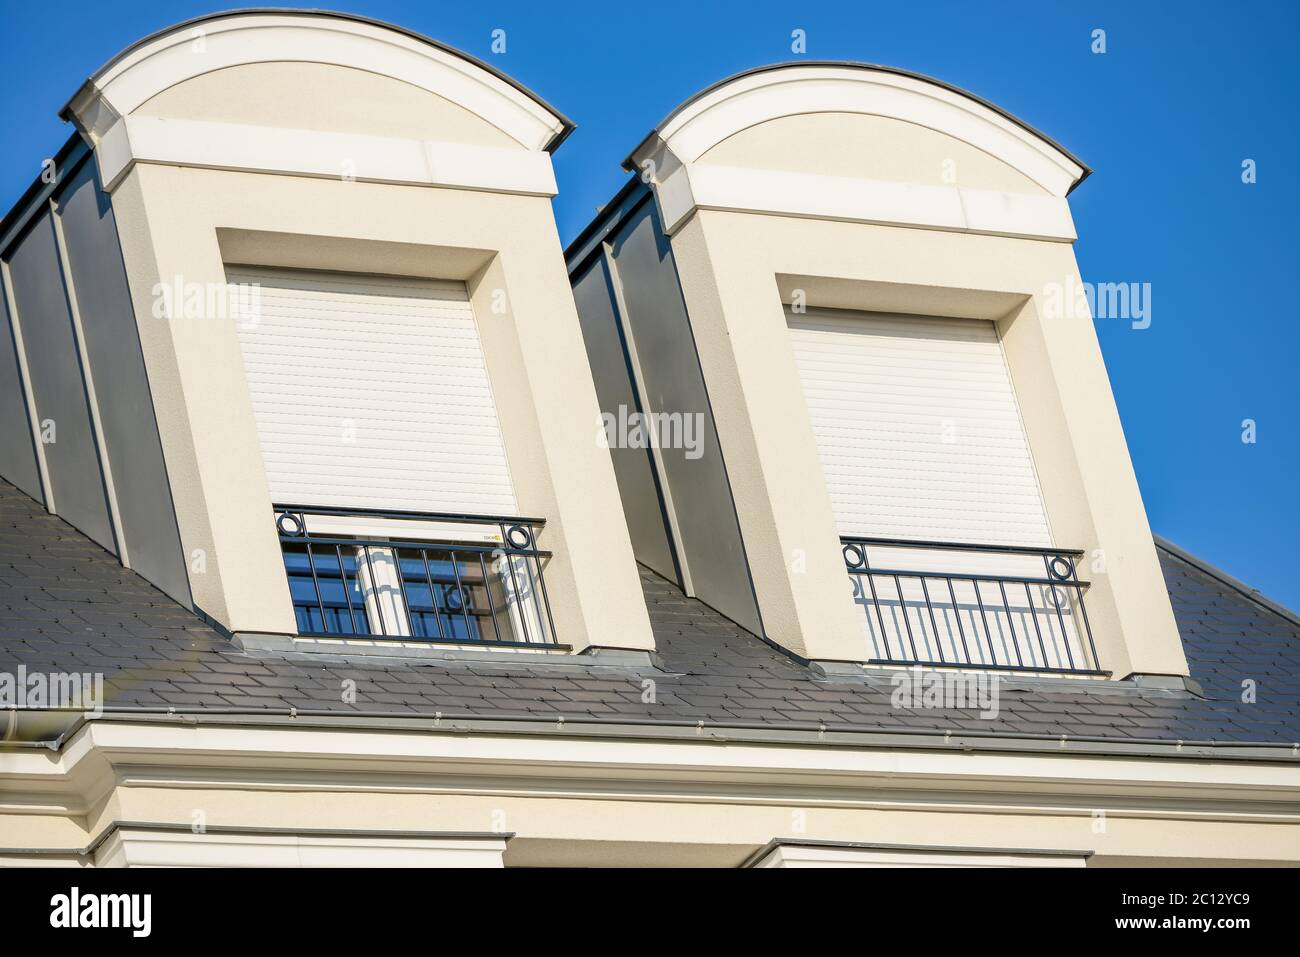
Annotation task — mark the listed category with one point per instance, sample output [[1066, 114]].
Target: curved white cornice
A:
[[224, 40], [769, 93]]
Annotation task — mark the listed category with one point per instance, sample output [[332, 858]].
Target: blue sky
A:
[[1184, 93]]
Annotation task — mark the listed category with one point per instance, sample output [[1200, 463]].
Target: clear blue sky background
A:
[[1185, 92]]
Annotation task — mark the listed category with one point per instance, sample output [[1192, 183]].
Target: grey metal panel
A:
[[638, 486], [76, 481], [36, 198], [125, 403], [700, 491], [17, 453]]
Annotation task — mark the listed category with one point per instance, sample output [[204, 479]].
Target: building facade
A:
[[784, 519]]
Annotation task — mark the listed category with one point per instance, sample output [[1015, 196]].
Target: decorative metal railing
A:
[[950, 604], [366, 573]]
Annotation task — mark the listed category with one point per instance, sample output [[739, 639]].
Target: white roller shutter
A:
[[918, 428], [920, 438], [371, 392]]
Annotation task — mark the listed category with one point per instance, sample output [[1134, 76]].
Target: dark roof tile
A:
[[67, 605]]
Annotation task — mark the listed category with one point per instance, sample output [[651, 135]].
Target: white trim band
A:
[[144, 846], [848, 199], [323, 155], [783, 854]]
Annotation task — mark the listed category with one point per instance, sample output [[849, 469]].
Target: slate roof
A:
[[67, 605]]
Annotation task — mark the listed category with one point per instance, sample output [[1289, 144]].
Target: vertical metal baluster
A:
[[875, 600], [984, 615], [320, 601], [1065, 635], [401, 587], [464, 601], [1015, 641], [541, 582], [347, 593], [1033, 614], [374, 590], [514, 580], [903, 606], [956, 610], [433, 594], [933, 624], [488, 590]]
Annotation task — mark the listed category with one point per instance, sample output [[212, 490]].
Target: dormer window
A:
[[380, 435], [305, 333], [871, 334]]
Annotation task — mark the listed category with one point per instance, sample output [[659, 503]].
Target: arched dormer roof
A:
[[786, 89], [237, 37]]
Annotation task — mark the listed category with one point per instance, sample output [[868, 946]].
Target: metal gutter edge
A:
[[606, 221], [860, 65], [806, 734], [37, 728], [67, 160], [1224, 578]]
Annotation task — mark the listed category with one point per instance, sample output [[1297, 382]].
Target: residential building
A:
[[792, 524]]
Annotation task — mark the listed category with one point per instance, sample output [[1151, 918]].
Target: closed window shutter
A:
[[371, 392], [917, 428], [920, 439]]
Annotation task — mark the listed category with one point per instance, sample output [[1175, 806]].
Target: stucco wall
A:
[[733, 267], [322, 96], [867, 147], [170, 221], [624, 802]]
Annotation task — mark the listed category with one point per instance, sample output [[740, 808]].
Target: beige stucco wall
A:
[[611, 802], [194, 197], [170, 217], [265, 203], [322, 96], [648, 833], [868, 147], [730, 264]]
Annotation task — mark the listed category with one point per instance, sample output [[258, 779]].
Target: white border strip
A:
[[343, 156], [848, 199]]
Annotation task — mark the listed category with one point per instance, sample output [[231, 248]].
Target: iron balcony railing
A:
[[416, 576], [950, 604]]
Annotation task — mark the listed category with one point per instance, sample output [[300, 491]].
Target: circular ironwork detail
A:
[[1061, 568], [518, 536], [1058, 597], [289, 524], [854, 556], [455, 598]]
